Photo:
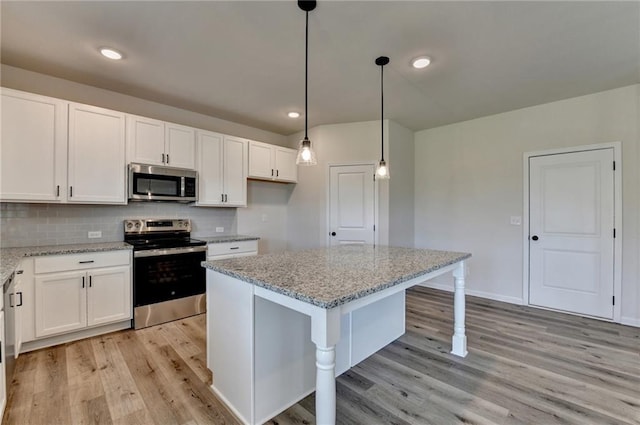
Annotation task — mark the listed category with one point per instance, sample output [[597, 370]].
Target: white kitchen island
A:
[[280, 326]]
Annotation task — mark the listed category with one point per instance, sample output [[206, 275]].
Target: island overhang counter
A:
[[280, 326]]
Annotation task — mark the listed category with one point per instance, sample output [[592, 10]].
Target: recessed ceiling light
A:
[[110, 53], [293, 114], [421, 62]]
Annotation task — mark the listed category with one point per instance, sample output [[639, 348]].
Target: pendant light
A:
[[306, 155], [382, 172]]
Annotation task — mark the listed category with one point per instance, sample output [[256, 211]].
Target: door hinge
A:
[[614, 166], [614, 233], [614, 300]]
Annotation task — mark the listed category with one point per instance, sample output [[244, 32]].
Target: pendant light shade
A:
[[306, 155], [382, 172]]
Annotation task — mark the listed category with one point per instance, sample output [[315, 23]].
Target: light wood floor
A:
[[525, 366]]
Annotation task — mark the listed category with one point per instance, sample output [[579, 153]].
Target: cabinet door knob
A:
[[534, 238], [333, 233]]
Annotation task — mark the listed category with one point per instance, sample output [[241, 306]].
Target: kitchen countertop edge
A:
[[337, 301]]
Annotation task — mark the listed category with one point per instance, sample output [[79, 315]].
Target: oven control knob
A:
[[137, 225], [129, 225]]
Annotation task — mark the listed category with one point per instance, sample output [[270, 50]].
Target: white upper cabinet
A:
[[34, 148], [285, 164], [235, 171], [145, 140], [222, 170], [156, 142], [180, 146], [271, 162], [96, 166]]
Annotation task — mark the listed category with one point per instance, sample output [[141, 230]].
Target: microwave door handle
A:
[[182, 186]]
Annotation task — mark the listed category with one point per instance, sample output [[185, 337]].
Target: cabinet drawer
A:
[[58, 263], [232, 248]]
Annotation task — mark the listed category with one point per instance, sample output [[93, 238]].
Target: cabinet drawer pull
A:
[[86, 262], [272, 172], [11, 300], [58, 190], [70, 191], [235, 247], [83, 281], [167, 158], [222, 197], [20, 302], [277, 173], [90, 282], [163, 158]]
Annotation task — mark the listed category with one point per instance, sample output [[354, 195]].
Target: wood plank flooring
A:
[[525, 366]]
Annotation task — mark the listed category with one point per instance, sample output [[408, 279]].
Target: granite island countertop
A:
[[10, 257], [329, 277], [227, 238]]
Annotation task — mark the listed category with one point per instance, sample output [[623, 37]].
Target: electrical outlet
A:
[[219, 229], [94, 235], [516, 220]]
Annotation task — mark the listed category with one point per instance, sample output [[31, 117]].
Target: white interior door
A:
[[571, 225], [351, 204]]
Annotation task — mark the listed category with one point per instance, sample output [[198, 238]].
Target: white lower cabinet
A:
[[68, 300], [220, 251]]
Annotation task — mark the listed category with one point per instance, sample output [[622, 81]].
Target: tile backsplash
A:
[[52, 224]]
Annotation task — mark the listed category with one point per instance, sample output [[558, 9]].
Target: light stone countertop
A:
[[227, 238], [10, 257], [329, 277]]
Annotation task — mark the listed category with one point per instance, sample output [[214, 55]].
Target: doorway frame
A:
[[376, 199], [617, 222]]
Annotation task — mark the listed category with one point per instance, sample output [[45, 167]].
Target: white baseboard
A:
[[630, 321], [481, 294]]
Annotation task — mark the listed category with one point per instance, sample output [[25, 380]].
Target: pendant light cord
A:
[[306, 76], [382, 111]]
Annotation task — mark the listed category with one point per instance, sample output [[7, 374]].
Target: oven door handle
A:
[[168, 251]]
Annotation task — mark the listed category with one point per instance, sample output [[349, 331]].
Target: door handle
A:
[[167, 158], [83, 281], [534, 238], [332, 233], [163, 158], [20, 302]]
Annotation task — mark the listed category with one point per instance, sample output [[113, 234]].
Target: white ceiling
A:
[[244, 61]]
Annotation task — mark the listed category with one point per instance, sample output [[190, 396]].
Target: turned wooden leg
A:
[[325, 333], [325, 385], [459, 339]]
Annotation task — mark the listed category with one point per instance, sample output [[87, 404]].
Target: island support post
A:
[[459, 339]]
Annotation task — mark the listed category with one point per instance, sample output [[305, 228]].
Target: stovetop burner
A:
[[146, 234]]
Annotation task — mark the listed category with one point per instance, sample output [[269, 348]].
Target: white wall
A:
[[266, 214], [342, 144], [469, 181], [401, 186]]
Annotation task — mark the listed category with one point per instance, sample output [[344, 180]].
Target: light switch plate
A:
[[516, 220], [219, 229], [94, 235]]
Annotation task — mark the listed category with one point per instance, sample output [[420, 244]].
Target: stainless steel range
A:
[[168, 281]]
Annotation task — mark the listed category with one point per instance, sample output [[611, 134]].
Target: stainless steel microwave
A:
[[158, 183]]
